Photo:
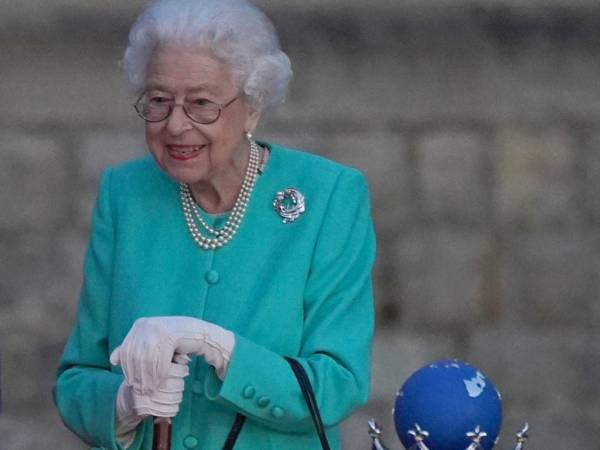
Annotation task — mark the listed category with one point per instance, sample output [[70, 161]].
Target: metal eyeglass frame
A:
[[220, 106]]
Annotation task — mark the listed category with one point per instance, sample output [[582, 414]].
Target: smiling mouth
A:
[[184, 152]]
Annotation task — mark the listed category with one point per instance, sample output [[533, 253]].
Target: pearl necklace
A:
[[223, 235]]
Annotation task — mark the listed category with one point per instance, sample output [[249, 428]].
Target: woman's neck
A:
[[218, 193], [213, 200]]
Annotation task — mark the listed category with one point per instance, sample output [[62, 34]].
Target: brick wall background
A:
[[478, 126]]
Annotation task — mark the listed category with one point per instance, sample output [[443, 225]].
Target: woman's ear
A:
[[252, 120]]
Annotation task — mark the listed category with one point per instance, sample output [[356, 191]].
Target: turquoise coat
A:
[[298, 289]]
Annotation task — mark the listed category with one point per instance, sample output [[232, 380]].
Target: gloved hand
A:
[[132, 407], [148, 348]]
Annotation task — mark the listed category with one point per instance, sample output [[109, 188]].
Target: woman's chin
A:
[[185, 175], [181, 171]]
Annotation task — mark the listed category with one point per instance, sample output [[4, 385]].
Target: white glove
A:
[[150, 345], [132, 407]]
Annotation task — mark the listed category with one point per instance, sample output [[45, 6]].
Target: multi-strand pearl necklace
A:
[[224, 234]]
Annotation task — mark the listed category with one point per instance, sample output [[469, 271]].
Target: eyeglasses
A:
[[157, 108]]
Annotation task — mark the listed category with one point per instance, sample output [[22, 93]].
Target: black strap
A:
[[309, 397], [236, 428]]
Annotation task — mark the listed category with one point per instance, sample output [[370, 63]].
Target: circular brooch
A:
[[289, 204]]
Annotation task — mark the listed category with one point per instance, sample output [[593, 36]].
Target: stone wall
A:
[[477, 124]]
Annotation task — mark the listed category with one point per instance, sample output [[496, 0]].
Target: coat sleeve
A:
[[86, 389], [337, 334]]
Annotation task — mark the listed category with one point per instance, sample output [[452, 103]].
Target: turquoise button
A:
[[263, 402], [248, 392], [190, 442], [198, 387], [212, 277], [276, 412]]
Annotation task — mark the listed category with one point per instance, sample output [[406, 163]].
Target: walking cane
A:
[[162, 434], [161, 439]]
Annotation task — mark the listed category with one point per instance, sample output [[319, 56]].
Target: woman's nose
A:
[[178, 121]]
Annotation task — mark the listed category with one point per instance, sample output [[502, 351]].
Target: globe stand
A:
[[375, 433], [420, 437], [476, 436], [522, 436]]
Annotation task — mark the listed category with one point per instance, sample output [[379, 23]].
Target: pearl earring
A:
[[249, 135]]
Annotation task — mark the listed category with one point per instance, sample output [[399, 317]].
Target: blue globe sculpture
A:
[[448, 399]]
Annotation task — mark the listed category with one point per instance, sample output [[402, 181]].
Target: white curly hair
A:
[[235, 31]]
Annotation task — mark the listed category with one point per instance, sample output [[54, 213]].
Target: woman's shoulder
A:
[[141, 166], [139, 172], [308, 164], [137, 181], [323, 183]]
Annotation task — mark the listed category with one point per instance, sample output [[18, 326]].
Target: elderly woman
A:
[[218, 256]]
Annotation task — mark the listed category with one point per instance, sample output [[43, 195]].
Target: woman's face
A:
[[188, 151]]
